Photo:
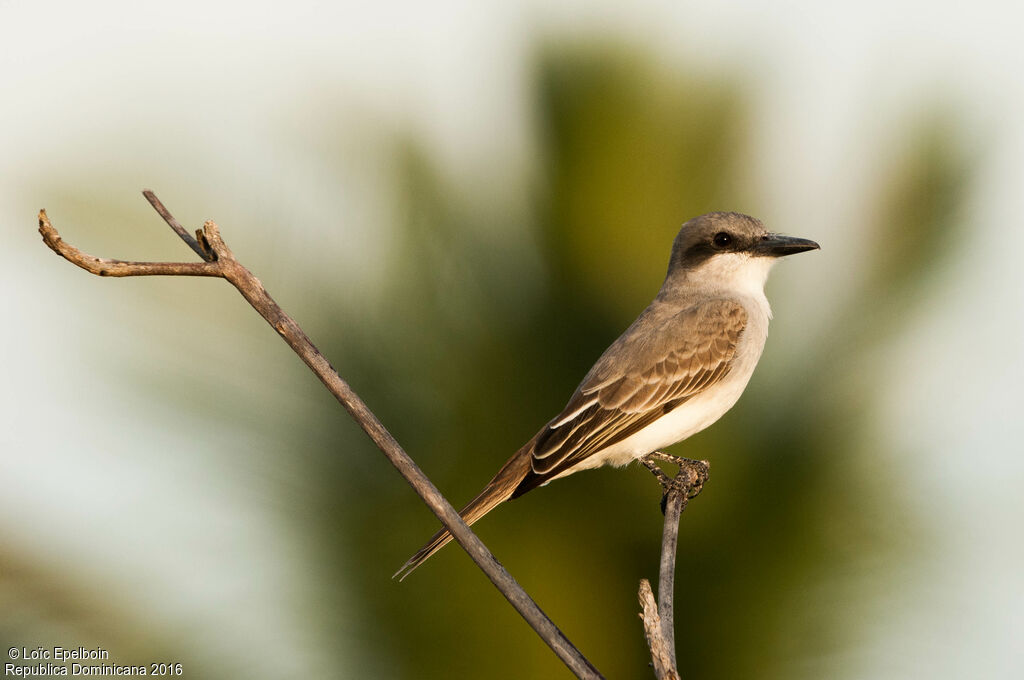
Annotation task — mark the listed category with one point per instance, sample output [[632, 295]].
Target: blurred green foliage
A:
[[629, 150]]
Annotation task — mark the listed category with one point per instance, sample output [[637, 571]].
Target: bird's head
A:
[[728, 251]]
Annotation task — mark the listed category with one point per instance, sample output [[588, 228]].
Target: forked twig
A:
[[175, 225], [219, 261], [659, 618]]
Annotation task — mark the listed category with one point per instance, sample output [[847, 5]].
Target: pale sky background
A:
[[207, 99]]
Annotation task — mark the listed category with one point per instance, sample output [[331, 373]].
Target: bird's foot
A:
[[689, 480]]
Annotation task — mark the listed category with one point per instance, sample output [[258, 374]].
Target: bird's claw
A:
[[689, 480]]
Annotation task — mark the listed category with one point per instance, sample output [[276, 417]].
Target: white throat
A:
[[735, 273]]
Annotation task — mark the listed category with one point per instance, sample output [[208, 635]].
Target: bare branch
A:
[[661, 656], [221, 262], [175, 225], [659, 620], [106, 267]]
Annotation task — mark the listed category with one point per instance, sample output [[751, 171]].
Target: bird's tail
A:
[[497, 491]]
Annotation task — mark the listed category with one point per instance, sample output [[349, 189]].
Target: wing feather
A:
[[641, 377]]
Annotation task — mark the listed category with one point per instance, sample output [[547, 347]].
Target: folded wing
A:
[[642, 377]]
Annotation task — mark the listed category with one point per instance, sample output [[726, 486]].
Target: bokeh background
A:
[[463, 203]]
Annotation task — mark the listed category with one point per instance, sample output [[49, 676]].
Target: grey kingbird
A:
[[682, 364]]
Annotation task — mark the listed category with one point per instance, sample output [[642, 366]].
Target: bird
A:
[[677, 369]]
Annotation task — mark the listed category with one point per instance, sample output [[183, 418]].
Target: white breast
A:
[[700, 411]]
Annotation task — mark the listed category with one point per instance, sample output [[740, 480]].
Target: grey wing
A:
[[637, 381]]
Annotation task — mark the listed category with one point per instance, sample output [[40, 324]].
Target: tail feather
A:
[[497, 491]]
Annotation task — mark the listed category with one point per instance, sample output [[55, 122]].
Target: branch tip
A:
[[50, 236], [109, 267], [174, 224], [661, 657]]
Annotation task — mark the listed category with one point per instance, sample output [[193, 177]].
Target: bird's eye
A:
[[722, 239]]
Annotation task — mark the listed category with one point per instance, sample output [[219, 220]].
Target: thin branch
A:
[[221, 262], [101, 266], [659, 619], [662, 657], [175, 225], [674, 505]]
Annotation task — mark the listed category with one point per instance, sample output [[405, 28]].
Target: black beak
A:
[[777, 245]]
